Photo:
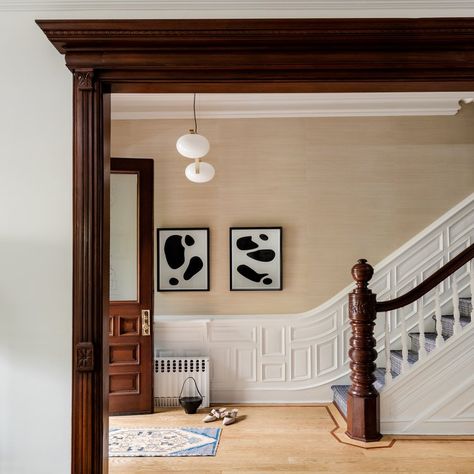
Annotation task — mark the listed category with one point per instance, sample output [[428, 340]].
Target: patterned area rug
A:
[[155, 442]]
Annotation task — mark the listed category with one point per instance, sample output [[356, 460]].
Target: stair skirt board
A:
[[340, 392]]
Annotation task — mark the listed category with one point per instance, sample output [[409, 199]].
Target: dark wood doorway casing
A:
[[107, 56]]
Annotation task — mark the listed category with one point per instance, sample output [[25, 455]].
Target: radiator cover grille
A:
[[171, 372]]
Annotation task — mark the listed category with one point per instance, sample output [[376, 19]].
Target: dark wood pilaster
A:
[[90, 275]]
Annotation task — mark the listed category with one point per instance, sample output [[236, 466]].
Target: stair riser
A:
[[340, 394], [378, 385], [396, 365], [465, 307], [396, 359], [447, 327], [415, 344], [341, 403]]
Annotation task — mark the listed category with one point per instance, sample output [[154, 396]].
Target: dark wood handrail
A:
[[444, 272]]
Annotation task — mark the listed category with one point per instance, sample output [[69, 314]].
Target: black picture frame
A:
[[280, 254], [159, 287]]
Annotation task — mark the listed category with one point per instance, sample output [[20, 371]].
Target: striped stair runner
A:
[[447, 324]]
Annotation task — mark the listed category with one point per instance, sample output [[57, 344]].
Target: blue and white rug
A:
[[155, 442]]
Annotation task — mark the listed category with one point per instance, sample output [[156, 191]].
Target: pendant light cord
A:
[[194, 111]]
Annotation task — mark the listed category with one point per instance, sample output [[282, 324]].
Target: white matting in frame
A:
[[256, 258], [183, 259]]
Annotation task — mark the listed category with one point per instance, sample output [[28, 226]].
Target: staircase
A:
[[396, 356]]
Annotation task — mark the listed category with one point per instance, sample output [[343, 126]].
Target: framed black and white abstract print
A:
[[256, 258], [183, 259]]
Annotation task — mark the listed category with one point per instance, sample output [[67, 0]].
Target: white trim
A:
[[223, 106], [257, 8]]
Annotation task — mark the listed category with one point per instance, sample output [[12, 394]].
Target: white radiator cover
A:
[[170, 374]]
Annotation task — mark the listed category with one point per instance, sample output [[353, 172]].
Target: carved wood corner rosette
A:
[[84, 357], [85, 78]]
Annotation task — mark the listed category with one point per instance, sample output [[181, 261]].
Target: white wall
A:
[[35, 252]]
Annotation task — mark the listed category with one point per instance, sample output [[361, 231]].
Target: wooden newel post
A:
[[363, 421]]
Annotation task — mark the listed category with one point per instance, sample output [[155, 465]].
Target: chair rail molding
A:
[[295, 358], [258, 8]]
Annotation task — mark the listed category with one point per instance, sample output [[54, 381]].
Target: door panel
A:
[[131, 287]]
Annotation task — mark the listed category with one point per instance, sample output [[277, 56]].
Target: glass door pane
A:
[[123, 237]]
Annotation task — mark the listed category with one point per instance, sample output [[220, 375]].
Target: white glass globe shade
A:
[[193, 146], [206, 172]]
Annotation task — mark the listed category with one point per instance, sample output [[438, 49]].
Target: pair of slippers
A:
[[227, 416]]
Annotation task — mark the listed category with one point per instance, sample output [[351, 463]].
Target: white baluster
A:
[[405, 365], [421, 324], [439, 328], [388, 360], [456, 312], [472, 289]]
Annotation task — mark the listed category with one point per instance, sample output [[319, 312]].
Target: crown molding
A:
[[257, 8], [270, 55], [228, 106]]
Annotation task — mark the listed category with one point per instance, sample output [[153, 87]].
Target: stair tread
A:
[[450, 317], [429, 336]]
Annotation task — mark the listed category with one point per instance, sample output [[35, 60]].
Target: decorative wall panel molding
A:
[[297, 357], [178, 106], [258, 8]]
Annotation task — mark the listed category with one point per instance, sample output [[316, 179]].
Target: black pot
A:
[[190, 404]]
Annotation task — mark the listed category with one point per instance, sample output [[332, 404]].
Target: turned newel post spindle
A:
[[363, 400]]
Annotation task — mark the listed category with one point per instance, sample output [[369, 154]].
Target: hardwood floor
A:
[[296, 440]]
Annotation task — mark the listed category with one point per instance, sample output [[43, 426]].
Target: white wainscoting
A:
[[295, 358]]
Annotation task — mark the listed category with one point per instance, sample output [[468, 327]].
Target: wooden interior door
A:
[[131, 287]]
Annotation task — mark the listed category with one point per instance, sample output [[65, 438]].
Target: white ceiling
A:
[[179, 106], [254, 8]]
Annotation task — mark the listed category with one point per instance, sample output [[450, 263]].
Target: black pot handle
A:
[[195, 384]]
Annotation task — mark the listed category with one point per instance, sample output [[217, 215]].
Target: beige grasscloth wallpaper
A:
[[341, 188]]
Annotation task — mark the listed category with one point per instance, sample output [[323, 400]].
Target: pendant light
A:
[[195, 146]]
